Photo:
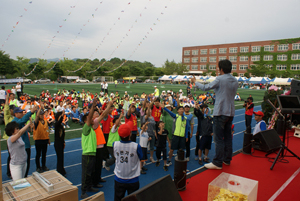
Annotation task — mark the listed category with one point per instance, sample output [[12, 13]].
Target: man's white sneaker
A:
[[212, 166]]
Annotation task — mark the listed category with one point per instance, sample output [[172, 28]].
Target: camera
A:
[[246, 101]]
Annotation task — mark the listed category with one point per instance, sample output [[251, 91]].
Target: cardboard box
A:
[[63, 189], [97, 197], [231, 187]]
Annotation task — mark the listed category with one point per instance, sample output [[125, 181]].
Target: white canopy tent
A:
[[281, 81], [165, 78]]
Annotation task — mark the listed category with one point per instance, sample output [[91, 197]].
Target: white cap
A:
[[186, 104], [164, 91], [168, 105], [168, 91], [180, 90], [125, 92], [154, 86]]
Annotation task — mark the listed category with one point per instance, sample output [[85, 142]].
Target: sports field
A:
[[75, 129]]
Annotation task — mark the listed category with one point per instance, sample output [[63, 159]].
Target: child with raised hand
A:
[[162, 144], [144, 139], [112, 137]]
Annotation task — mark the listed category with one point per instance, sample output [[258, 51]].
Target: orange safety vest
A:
[[41, 132], [99, 136]]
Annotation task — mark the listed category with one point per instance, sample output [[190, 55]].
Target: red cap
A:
[[259, 113], [125, 129]]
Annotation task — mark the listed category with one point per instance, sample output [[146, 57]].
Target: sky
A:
[[140, 30]]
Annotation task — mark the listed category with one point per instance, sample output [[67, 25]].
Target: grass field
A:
[[75, 130]]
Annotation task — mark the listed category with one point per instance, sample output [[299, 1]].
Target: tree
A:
[[148, 71], [213, 73], [247, 75], [235, 74], [6, 64], [258, 70], [169, 68], [159, 72]]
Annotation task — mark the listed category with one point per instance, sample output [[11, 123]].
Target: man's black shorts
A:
[[178, 142]]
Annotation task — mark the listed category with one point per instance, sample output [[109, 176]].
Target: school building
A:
[[283, 54]]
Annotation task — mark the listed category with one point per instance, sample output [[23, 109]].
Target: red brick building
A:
[[277, 55]]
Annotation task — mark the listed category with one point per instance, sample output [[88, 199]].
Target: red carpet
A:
[[269, 181]]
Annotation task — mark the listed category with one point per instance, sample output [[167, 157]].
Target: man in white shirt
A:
[[106, 87], [2, 95]]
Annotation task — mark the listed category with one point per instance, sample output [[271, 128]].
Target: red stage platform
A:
[[284, 177]]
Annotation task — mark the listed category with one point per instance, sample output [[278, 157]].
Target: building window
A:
[[203, 59], [233, 50], [243, 67], [194, 52], [204, 51], [222, 50], [282, 57], [234, 67], [283, 47], [188, 67], [255, 58], [212, 51], [281, 67], [296, 46], [186, 60], [194, 67], [212, 67], [295, 56], [270, 66], [295, 67], [212, 59], [222, 58], [241, 74], [244, 49], [195, 59], [268, 57], [269, 48], [202, 67], [187, 52], [233, 58], [243, 58], [256, 48]]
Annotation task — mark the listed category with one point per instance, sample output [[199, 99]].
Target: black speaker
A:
[[247, 144], [267, 140], [162, 189], [295, 87]]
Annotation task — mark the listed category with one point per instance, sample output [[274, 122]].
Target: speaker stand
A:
[[281, 150]]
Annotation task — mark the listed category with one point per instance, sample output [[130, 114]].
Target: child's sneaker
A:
[[157, 163], [169, 163], [143, 172], [145, 169], [68, 126], [152, 160], [200, 161], [165, 168]]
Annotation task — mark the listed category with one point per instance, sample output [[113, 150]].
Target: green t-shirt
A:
[[88, 140]]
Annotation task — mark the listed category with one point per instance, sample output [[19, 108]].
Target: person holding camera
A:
[[249, 106]]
